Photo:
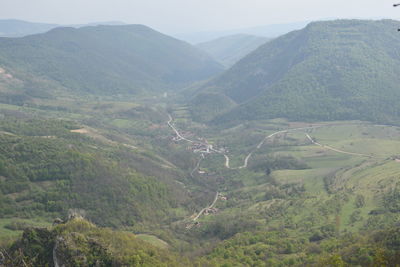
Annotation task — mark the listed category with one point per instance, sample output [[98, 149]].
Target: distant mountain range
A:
[[344, 69], [230, 49], [20, 28], [104, 60], [270, 31], [332, 70]]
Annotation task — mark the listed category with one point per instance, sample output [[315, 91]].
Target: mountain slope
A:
[[19, 28], [345, 69], [46, 169], [230, 49], [106, 59]]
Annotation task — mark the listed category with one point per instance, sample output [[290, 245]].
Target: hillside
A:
[[48, 167], [300, 194], [80, 243], [230, 49], [251, 192], [345, 69], [104, 60], [19, 28]]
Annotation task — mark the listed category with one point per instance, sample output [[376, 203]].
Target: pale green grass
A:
[[354, 175], [375, 147], [296, 176], [9, 107], [377, 178], [155, 241], [10, 234]]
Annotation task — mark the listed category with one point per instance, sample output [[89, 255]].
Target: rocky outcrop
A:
[[80, 243]]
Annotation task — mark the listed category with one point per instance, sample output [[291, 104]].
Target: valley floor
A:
[[308, 183]]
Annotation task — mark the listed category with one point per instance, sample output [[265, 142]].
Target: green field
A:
[[153, 240], [331, 180], [7, 227]]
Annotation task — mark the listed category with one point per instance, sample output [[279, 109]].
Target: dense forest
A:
[[46, 170], [112, 60], [80, 243], [336, 70]]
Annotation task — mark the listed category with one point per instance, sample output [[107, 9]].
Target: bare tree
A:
[[396, 5]]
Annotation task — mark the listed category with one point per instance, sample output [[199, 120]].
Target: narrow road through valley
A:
[[246, 160], [197, 166], [206, 208], [227, 159], [176, 131]]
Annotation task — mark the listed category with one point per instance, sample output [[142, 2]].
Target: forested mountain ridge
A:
[[105, 60], [344, 69], [230, 49]]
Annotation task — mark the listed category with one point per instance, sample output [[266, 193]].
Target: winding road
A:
[[176, 131], [246, 160], [227, 159], [206, 208], [197, 166]]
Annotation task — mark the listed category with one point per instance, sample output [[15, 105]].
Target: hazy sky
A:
[[176, 16]]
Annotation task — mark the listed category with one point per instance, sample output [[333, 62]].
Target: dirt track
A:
[[336, 150]]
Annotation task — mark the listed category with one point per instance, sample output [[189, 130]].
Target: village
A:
[[201, 145]]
